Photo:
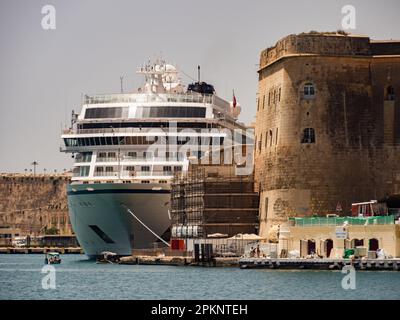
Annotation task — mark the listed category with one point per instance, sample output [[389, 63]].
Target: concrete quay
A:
[[320, 264], [179, 261], [36, 250]]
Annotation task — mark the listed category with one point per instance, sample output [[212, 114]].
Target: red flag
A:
[[234, 99]]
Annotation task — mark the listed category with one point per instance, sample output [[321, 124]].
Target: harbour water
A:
[[79, 278]]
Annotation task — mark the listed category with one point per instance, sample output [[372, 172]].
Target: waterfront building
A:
[[330, 237]]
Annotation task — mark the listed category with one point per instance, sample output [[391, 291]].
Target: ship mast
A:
[[154, 74]]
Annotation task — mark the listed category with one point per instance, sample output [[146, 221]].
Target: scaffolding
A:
[[211, 199], [187, 203]]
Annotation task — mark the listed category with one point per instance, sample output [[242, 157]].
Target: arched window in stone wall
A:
[[309, 90], [390, 94], [308, 135]]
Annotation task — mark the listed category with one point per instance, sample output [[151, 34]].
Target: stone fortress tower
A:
[[327, 125]]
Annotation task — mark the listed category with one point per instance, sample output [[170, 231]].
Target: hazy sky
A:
[[43, 73]]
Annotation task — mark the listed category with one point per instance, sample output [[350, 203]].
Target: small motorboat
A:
[[52, 258], [108, 257]]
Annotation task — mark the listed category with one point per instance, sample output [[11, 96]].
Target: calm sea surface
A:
[[79, 278]]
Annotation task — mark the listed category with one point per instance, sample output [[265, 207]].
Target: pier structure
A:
[[320, 264]]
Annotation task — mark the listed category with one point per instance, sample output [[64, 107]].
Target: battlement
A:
[[327, 43]]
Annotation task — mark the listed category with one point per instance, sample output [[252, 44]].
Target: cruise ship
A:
[[127, 148]]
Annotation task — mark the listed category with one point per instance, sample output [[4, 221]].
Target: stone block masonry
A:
[[36, 205], [327, 125]]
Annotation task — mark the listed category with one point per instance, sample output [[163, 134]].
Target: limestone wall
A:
[[34, 204]]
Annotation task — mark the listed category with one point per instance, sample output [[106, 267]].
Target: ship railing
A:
[[130, 130], [106, 159], [105, 174], [154, 173], [163, 97], [141, 159], [131, 174]]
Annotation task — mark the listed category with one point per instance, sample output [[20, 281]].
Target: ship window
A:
[[171, 112], [145, 168], [71, 142], [112, 155], [178, 168], [130, 168], [309, 90], [84, 171], [102, 155], [167, 169], [390, 94], [132, 154], [109, 169], [308, 135], [99, 169], [84, 157], [102, 113]]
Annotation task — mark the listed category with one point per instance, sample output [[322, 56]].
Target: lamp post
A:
[[34, 164]]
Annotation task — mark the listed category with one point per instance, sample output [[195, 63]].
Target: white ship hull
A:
[[101, 221]]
